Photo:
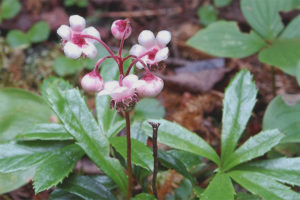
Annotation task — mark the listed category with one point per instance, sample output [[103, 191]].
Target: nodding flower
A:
[[155, 46], [119, 27], [92, 82], [75, 44], [152, 87]]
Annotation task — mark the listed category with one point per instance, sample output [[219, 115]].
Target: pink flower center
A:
[[121, 25], [152, 54], [78, 39]]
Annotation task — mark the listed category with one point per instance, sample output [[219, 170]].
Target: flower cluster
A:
[[79, 41]]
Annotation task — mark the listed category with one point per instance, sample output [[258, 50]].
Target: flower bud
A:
[[152, 87], [92, 82], [118, 29]]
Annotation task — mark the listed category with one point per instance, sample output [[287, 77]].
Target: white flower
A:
[[74, 43], [92, 82], [156, 46], [122, 93], [118, 28], [152, 87]]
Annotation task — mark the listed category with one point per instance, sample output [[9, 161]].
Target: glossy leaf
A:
[[149, 108], [39, 32], [143, 196], [137, 132], [141, 155], [184, 191], [109, 120], [61, 83], [283, 117], [9, 8], [72, 110], [45, 131], [222, 3], [239, 100], [59, 194], [207, 14], [219, 188], [254, 147], [224, 39], [170, 161], [263, 16], [263, 185], [20, 110], [178, 137], [17, 38], [246, 196], [86, 188], [292, 30], [285, 170], [284, 54], [64, 66], [190, 160], [56, 167]]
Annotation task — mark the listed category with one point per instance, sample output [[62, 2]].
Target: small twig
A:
[[273, 82], [155, 167], [128, 155]]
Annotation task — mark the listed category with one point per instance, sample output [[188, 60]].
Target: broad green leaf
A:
[[82, 3], [69, 2], [109, 119], [149, 108], [86, 188], [105, 181], [222, 3], [20, 110], [143, 196], [184, 191], [45, 131], [170, 161], [198, 191], [12, 181], [263, 16], [283, 117], [72, 110], [66, 66], [56, 167], [39, 32], [254, 147], [263, 185], [239, 100], [224, 39], [17, 38], [190, 160], [219, 188], [246, 196], [285, 170], [284, 54], [141, 155], [59, 194], [292, 30], [137, 132], [9, 8], [178, 137], [62, 84], [207, 14]]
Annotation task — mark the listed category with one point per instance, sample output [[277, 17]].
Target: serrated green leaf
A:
[[17, 38], [59, 194], [9, 8], [207, 14], [292, 30], [39, 32], [86, 188], [105, 181], [263, 16], [219, 188], [284, 54], [263, 185], [254, 147], [222, 3], [137, 132], [190, 160], [109, 120], [285, 170], [141, 155], [239, 100], [62, 84], [20, 110], [178, 137], [143, 196], [64, 66], [224, 39], [283, 117], [72, 110], [56, 167], [149, 108], [45, 131], [170, 161]]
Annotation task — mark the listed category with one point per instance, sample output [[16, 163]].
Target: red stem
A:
[[128, 155], [137, 59], [99, 62]]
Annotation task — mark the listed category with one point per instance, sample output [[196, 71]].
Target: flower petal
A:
[[130, 80], [64, 32], [137, 50], [90, 50], [77, 22], [72, 50], [93, 32], [139, 65], [163, 37], [146, 39], [162, 54]]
